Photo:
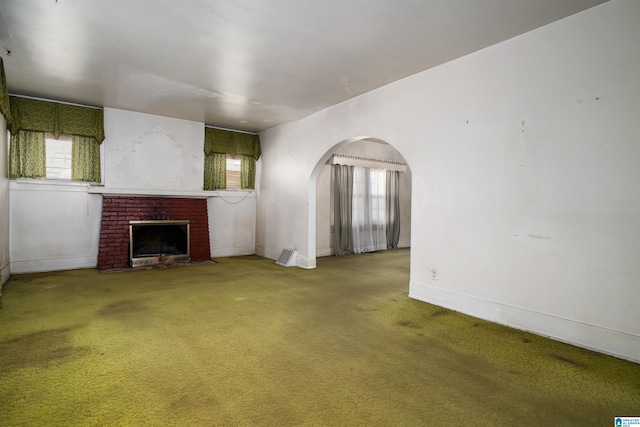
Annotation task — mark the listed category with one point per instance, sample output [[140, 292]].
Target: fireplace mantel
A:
[[167, 193]]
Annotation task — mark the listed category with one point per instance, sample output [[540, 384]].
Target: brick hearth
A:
[[117, 211]]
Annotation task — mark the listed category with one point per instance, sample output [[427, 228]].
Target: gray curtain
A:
[[393, 208], [342, 196]]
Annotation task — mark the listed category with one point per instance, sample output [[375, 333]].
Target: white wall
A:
[[524, 158], [53, 227], [371, 149], [232, 224], [5, 270]]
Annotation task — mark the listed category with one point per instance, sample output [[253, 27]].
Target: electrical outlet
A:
[[434, 274]]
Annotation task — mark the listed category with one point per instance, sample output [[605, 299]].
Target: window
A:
[[35, 153], [229, 172], [233, 172], [377, 182], [58, 156], [40, 155], [230, 159], [366, 209]]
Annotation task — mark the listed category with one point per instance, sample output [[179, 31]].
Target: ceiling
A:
[[245, 64]]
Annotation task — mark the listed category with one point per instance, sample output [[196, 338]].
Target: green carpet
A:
[[247, 342]]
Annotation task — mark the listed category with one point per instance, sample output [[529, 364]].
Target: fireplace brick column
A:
[[118, 211]]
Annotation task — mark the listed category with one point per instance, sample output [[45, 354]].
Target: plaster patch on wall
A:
[[157, 159], [536, 236], [116, 157], [539, 236]]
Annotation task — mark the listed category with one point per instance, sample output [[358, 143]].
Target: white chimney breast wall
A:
[[148, 152]]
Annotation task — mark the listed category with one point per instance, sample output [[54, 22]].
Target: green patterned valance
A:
[[230, 142], [44, 116], [5, 110]]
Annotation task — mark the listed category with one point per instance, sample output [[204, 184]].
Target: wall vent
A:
[[287, 258]]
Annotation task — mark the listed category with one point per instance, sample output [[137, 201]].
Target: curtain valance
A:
[[44, 116], [230, 142], [5, 110], [367, 162]]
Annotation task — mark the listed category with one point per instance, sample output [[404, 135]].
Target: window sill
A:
[[45, 181], [48, 185]]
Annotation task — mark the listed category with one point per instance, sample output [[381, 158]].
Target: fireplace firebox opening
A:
[[158, 242]]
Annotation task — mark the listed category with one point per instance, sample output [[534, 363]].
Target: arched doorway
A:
[[319, 222]]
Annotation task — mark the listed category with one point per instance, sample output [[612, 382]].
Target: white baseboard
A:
[[304, 262], [53, 264], [320, 252], [615, 343], [235, 251]]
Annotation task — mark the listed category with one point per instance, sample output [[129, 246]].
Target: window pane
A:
[[233, 173], [58, 157], [378, 196]]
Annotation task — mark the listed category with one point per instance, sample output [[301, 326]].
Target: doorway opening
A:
[[366, 152]]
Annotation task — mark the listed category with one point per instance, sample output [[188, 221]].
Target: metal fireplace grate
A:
[[159, 242]]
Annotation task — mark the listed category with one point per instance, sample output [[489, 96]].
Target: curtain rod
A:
[[56, 101], [232, 130]]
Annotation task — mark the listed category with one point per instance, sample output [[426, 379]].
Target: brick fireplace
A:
[[118, 211]]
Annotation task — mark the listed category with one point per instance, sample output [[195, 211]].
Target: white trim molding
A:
[[53, 264], [620, 344], [232, 251], [198, 194], [305, 262]]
